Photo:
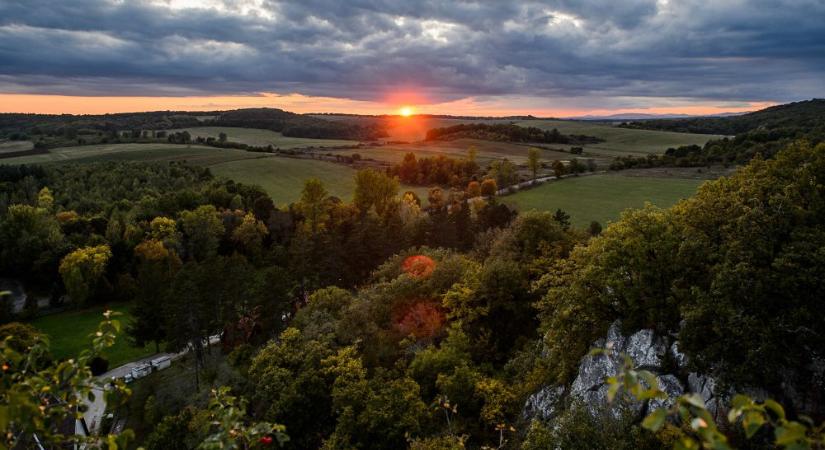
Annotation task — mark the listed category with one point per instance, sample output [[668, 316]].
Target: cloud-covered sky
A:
[[516, 56]]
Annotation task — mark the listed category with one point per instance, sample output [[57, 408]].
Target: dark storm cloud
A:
[[367, 49]]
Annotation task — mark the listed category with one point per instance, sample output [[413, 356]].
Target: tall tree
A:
[[374, 189], [533, 161], [82, 269], [203, 229]]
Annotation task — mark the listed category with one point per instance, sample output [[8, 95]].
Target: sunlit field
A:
[[602, 197], [621, 141], [617, 141], [487, 151]]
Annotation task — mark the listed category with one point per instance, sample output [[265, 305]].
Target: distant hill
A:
[[789, 119], [643, 116], [16, 126], [762, 132]]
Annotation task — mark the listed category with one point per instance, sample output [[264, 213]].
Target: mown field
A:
[[262, 138], [602, 197], [487, 151], [69, 334], [621, 141]]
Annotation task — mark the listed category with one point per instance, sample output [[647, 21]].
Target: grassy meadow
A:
[[15, 146], [602, 197], [69, 334]]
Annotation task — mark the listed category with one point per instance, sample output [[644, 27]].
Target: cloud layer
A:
[[590, 53]]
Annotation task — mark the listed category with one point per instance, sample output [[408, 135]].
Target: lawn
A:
[[602, 197], [262, 138], [69, 334]]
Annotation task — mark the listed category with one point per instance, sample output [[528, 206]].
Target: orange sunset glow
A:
[[471, 106]]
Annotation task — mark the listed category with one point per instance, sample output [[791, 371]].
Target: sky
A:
[[547, 58]]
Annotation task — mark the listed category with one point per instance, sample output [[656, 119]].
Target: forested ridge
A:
[[507, 133], [382, 324], [763, 132], [31, 126]]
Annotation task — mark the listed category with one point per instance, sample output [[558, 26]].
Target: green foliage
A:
[[29, 238], [230, 429], [37, 396], [578, 429], [203, 229], [371, 413], [292, 388], [533, 162], [702, 430], [374, 189], [82, 269], [508, 133]]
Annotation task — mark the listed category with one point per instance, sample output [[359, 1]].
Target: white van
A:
[[141, 371], [161, 363]]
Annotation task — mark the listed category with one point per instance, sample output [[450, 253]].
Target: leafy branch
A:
[[703, 431]]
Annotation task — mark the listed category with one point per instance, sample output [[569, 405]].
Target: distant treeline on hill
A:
[[763, 132], [33, 126], [507, 133], [297, 125]]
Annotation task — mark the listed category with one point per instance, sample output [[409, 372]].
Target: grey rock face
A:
[[647, 351], [544, 403]]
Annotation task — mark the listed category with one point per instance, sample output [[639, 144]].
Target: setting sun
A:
[[406, 111]]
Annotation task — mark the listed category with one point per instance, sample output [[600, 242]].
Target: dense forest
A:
[[763, 132], [382, 324], [507, 133]]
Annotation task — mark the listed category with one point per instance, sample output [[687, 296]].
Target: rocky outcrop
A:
[[647, 351]]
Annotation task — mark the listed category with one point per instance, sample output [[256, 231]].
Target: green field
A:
[[262, 138], [621, 141], [487, 151], [282, 177], [69, 334], [602, 197], [201, 155]]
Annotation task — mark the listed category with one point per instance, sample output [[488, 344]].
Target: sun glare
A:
[[406, 111]]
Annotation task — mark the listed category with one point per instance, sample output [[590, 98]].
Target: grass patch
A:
[[602, 197], [69, 334]]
